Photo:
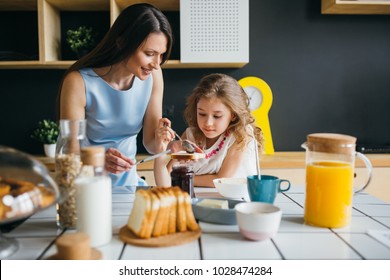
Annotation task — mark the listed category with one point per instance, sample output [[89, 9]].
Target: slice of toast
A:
[[183, 155], [161, 222], [181, 223], [167, 204], [155, 206], [190, 218], [172, 211], [139, 216]]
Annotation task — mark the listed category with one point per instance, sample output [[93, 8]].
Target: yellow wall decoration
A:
[[260, 102]]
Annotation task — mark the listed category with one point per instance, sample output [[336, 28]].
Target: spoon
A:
[[186, 145]]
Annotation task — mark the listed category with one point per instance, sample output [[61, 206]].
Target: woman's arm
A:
[[72, 99], [72, 107], [230, 164], [72, 103], [153, 112]]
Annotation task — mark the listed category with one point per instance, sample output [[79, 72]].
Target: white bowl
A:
[[234, 188], [258, 220]]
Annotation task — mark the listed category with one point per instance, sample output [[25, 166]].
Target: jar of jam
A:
[[182, 175]]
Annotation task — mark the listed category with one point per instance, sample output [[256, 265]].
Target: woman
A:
[[118, 88]]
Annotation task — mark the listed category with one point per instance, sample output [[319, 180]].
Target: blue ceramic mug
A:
[[266, 189]]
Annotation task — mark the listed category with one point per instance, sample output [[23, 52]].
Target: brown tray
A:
[[127, 236]]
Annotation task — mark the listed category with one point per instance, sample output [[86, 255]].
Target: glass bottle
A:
[[182, 175], [94, 197], [68, 164]]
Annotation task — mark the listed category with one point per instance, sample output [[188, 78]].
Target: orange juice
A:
[[329, 193]]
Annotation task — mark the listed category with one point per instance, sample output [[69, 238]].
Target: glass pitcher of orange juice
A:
[[330, 162]]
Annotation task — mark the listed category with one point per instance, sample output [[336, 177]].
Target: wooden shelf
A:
[[355, 7], [164, 5], [80, 5], [18, 5], [49, 33], [62, 64]]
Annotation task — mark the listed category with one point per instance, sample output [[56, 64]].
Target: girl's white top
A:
[[213, 164]]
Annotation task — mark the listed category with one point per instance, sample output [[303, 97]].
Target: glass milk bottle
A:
[[330, 163], [94, 197], [68, 164]]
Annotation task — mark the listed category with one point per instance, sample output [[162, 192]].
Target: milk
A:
[[94, 208]]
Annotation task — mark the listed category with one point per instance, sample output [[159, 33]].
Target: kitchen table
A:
[[366, 238]]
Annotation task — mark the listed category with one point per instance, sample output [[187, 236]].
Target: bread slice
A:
[[190, 218], [181, 222], [161, 223], [139, 216], [160, 211], [155, 206], [183, 155], [167, 204], [172, 211]]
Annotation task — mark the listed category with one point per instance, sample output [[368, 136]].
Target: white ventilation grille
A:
[[214, 30]]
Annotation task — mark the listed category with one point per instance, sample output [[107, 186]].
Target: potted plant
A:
[[81, 40], [47, 133]]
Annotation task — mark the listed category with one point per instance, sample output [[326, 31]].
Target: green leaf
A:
[[82, 38], [46, 132]]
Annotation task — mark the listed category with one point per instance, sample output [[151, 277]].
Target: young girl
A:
[[221, 124]]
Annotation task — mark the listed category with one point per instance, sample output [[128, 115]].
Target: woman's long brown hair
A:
[[129, 31]]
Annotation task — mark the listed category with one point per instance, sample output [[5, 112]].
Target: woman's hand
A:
[[175, 146], [163, 135], [116, 162]]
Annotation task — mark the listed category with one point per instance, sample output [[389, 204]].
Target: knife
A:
[[153, 157]]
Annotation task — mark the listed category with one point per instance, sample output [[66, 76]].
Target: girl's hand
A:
[[116, 162]]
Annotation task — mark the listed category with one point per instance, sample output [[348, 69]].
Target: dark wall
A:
[[328, 73]]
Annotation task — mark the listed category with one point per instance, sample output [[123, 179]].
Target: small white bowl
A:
[[258, 220], [233, 188]]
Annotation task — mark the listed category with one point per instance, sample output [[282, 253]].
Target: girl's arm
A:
[[230, 164], [163, 136], [161, 174], [153, 112]]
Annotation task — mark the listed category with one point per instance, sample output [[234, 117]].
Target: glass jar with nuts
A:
[[68, 164]]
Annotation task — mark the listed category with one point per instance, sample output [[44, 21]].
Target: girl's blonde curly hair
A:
[[232, 95]]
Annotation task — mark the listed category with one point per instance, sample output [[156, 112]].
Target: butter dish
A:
[[215, 215]]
